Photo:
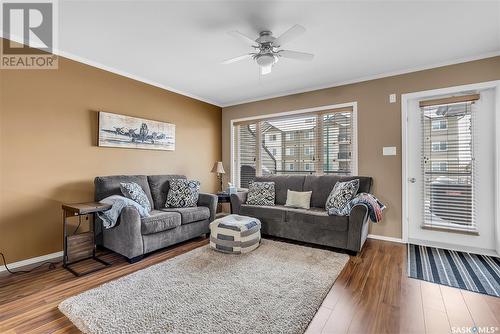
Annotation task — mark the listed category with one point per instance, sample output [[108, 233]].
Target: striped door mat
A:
[[461, 270]]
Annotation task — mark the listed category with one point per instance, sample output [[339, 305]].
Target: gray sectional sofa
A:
[[133, 237], [314, 225]]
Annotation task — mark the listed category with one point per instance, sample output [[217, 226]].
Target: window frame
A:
[[316, 110], [289, 151], [445, 121], [308, 150], [440, 142]]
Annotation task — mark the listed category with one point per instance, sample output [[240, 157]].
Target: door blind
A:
[[448, 165], [309, 143]]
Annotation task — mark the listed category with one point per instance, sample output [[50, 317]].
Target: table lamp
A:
[[219, 169]]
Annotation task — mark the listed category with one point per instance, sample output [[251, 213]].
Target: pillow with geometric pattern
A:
[[340, 196], [261, 193], [134, 191], [182, 193]]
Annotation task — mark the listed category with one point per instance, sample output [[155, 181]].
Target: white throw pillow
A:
[[298, 199]]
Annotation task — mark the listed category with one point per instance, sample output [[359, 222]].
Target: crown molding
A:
[[366, 78]]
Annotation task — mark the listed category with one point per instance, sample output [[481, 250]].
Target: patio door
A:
[[450, 159]]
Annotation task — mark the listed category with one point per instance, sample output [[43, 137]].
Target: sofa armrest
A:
[[210, 201], [125, 238], [236, 200], [358, 228]]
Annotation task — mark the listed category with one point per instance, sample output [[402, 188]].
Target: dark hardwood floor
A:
[[371, 295]]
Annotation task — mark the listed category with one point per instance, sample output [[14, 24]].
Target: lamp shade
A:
[[218, 168]]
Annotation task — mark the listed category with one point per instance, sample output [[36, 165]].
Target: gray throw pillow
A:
[[134, 191], [182, 193], [261, 193], [340, 196]]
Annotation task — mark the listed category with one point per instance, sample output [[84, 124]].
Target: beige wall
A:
[[379, 122], [48, 152]]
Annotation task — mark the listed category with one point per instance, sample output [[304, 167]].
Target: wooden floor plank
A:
[[458, 312], [481, 313], [412, 320], [319, 320], [435, 316]]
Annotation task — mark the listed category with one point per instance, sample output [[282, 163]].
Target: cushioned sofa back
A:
[[282, 183], [159, 188], [321, 186], [110, 185]]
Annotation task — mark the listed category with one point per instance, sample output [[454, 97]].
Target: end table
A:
[[223, 197], [81, 246]]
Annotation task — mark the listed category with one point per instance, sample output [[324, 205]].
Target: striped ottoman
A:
[[235, 234]]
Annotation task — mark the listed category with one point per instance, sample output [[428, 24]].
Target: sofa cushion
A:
[[341, 195], [191, 214], [159, 221], [316, 218], [106, 186], [183, 193], [159, 185], [261, 193], [282, 183], [264, 213], [133, 191], [298, 199], [321, 186]]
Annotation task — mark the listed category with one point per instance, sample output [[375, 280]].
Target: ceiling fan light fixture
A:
[[265, 60]]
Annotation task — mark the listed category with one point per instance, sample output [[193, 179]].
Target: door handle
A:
[[412, 180]]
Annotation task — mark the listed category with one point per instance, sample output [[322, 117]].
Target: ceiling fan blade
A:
[[235, 59], [295, 55], [288, 35], [243, 37], [266, 69]]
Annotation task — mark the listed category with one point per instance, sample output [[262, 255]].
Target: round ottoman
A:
[[235, 234]]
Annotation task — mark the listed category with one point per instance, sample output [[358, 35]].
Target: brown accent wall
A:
[[48, 152], [379, 122]]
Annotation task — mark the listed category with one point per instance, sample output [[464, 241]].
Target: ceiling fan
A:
[[267, 48]]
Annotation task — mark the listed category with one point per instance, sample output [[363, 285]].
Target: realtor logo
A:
[[28, 35]]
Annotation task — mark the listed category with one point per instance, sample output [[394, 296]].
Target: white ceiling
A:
[[179, 45]]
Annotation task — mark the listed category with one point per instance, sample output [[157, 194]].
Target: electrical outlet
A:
[[392, 98]]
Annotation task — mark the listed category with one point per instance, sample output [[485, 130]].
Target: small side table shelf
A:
[[81, 246], [223, 197]]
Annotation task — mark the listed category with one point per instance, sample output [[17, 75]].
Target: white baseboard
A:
[[33, 260], [381, 237]]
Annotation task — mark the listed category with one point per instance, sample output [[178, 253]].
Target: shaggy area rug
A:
[[277, 288]]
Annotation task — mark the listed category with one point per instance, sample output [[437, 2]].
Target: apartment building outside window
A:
[[439, 146], [439, 124], [320, 143]]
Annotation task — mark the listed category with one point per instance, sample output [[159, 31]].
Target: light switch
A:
[[392, 98], [389, 150]]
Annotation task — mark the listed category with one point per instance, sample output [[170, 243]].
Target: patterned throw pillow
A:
[[340, 196], [134, 191], [182, 193], [261, 193]]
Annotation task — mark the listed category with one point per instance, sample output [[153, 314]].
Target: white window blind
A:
[[448, 165], [337, 142], [245, 153], [312, 143]]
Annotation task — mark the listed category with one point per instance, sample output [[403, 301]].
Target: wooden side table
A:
[[223, 197], [81, 246]]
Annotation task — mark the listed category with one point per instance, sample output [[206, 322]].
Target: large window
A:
[[312, 143]]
